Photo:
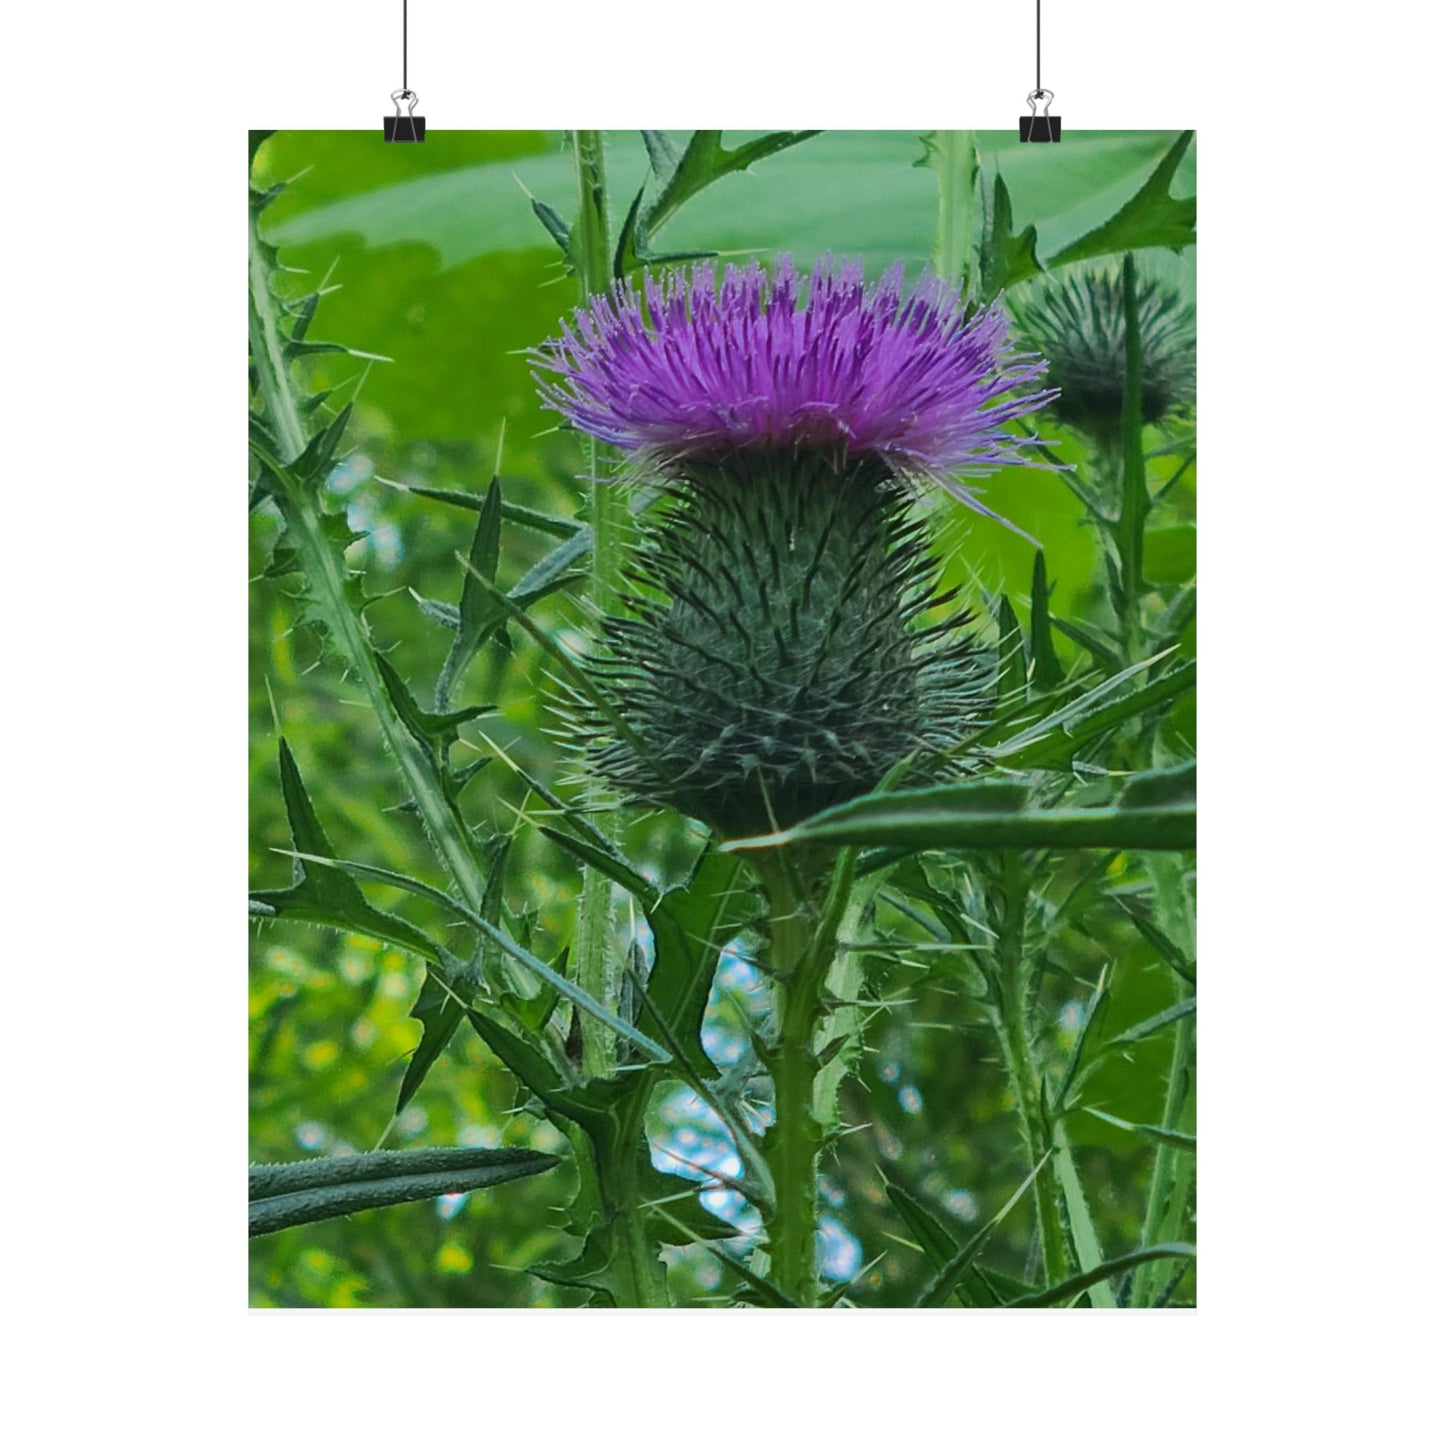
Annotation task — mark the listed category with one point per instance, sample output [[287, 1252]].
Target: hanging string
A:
[[1036, 127], [1038, 44], [409, 127]]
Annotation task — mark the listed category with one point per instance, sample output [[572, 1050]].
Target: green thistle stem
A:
[[956, 161], [598, 965], [326, 573], [802, 944], [1173, 1168], [1133, 485], [640, 1280], [643, 1275], [591, 251], [1012, 1018]]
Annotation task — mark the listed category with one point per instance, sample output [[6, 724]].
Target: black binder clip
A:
[[1038, 127], [406, 127]]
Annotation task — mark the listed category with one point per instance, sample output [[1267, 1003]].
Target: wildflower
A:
[[1078, 324], [907, 377], [778, 657]]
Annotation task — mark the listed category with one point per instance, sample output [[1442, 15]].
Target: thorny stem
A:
[[1012, 1016], [643, 1275], [599, 966], [802, 946], [956, 161], [1133, 485], [326, 572], [1173, 1168]]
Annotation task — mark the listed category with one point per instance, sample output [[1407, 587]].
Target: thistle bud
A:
[[1078, 325]]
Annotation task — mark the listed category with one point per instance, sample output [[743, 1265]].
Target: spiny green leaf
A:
[[1161, 942], [453, 783], [513, 607], [439, 1012], [663, 155], [668, 1208], [1098, 647], [989, 814], [1150, 218], [490, 607], [1012, 664], [944, 1282], [1162, 787], [526, 997], [312, 466], [1152, 1025], [564, 986], [936, 1238], [511, 511], [306, 830], [1007, 258], [447, 614], [303, 313], [1071, 1289], [556, 226], [554, 570], [322, 895], [435, 731], [605, 861], [283, 1195], [595, 1268], [690, 926], [680, 176], [1080, 1221], [766, 1291], [1055, 741], [1093, 1014], [1171, 1138], [477, 615], [529, 1064], [594, 1105], [576, 819], [1047, 672], [532, 1013]]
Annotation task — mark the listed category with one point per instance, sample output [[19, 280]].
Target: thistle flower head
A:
[[1078, 324], [694, 371], [780, 655]]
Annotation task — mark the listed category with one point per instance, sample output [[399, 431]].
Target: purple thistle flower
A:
[[782, 647], [702, 372]]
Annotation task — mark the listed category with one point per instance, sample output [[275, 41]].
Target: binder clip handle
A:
[[409, 127], [1036, 127]]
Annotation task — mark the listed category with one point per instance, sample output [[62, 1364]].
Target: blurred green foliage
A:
[[442, 267]]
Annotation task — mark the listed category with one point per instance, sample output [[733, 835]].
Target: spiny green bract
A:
[[777, 660]]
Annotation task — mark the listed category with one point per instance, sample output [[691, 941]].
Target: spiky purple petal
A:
[[693, 370]]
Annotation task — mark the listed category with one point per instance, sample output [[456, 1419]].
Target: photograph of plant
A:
[[722, 758]]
